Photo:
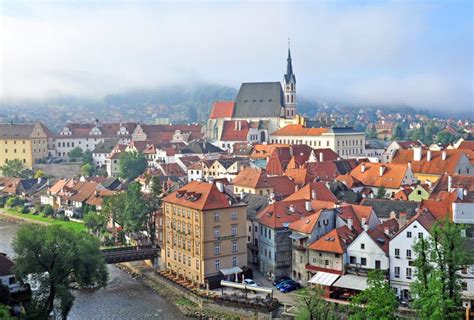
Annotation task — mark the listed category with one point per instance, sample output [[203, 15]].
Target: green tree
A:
[[87, 157], [75, 153], [444, 137], [87, 170], [13, 168], [48, 210], [95, 222], [39, 174], [131, 165], [381, 193], [398, 133], [312, 306], [5, 313], [377, 302], [372, 133], [54, 257], [437, 288]]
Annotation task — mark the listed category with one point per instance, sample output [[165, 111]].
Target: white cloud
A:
[[340, 52]]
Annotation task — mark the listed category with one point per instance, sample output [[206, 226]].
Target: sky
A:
[[417, 53]]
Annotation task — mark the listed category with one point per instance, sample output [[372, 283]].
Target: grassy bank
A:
[[72, 225]]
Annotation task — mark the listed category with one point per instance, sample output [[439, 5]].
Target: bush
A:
[[14, 201], [24, 210], [48, 210]]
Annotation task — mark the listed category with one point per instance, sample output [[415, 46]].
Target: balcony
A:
[[299, 247]]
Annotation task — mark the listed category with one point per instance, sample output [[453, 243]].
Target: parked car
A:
[[290, 287], [281, 284], [250, 282], [277, 282]]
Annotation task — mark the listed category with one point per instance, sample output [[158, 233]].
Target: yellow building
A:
[[205, 233], [26, 142]]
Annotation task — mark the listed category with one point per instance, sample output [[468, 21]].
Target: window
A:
[[420, 235], [217, 264], [217, 232], [197, 264], [396, 272], [217, 216], [377, 264], [337, 255], [217, 248], [234, 230], [270, 234], [408, 234], [233, 216], [362, 246], [408, 273], [408, 254], [326, 263], [397, 253], [234, 246], [352, 260], [363, 261], [234, 261]]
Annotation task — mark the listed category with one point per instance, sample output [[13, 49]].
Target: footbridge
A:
[[130, 253]]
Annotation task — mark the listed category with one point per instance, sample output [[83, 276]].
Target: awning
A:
[[297, 236], [350, 281], [242, 286], [324, 278], [230, 271]]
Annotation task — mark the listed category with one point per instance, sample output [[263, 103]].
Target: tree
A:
[[313, 306], [5, 313], [48, 210], [39, 174], [54, 257], [377, 302], [87, 157], [398, 133], [444, 137], [94, 222], [381, 193], [372, 134], [87, 170], [75, 153], [131, 165], [437, 288], [14, 168]]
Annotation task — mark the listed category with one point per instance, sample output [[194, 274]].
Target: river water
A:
[[123, 298]]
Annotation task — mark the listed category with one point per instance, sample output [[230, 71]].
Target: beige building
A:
[[25, 142], [205, 232]]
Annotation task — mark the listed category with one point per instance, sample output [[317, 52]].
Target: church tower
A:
[[289, 88]]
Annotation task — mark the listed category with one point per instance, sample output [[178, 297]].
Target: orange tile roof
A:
[[467, 145], [261, 151], [436, 165], [199, 195], [305, 193], [391, 178], [306, 224], [231, 133], [349, 180], [335, 241], [222, 109], [457, 181], [440, 209], [299, 130]]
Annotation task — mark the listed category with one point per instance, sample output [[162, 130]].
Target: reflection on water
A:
[[123, 298]]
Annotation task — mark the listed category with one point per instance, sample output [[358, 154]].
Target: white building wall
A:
[[365, 247]]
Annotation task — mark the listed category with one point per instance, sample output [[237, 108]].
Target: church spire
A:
[[289, 67]]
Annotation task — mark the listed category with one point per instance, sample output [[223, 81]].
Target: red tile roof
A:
[[280, 214], [440, 209], [467, 145], [379, 236], [278, 160], [305, 224], [231, 131], [222, 109], [199, 195]]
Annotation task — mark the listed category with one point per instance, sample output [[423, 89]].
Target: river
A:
[[123, 298]]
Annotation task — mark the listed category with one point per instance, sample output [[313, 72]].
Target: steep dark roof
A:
[[259, 99], [342, 130], [201, 147], [255, 203], [383, 207], [343, 193], [289, 76], [6, 265], [106, 146]]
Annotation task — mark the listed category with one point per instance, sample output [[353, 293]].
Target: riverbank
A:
[[147, 276], [13, 216]]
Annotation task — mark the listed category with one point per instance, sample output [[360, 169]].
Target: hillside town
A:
[[259, 194]]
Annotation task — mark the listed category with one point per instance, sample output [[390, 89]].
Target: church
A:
[[259, 109]]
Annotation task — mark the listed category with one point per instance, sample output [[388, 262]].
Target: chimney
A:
[[349, 223], [461, 193], [235, 126], [321, 157], [417, 154], [428, 155], [393, 215], [430, 184], [409, 165], [296, 187], [443, 155], [240, 125], [381, 170], [220, 186], [362, 168], [307, 205], [386, 230], [292, 208], [450, 183], [364, 224], [402, 220], [313, 194]]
